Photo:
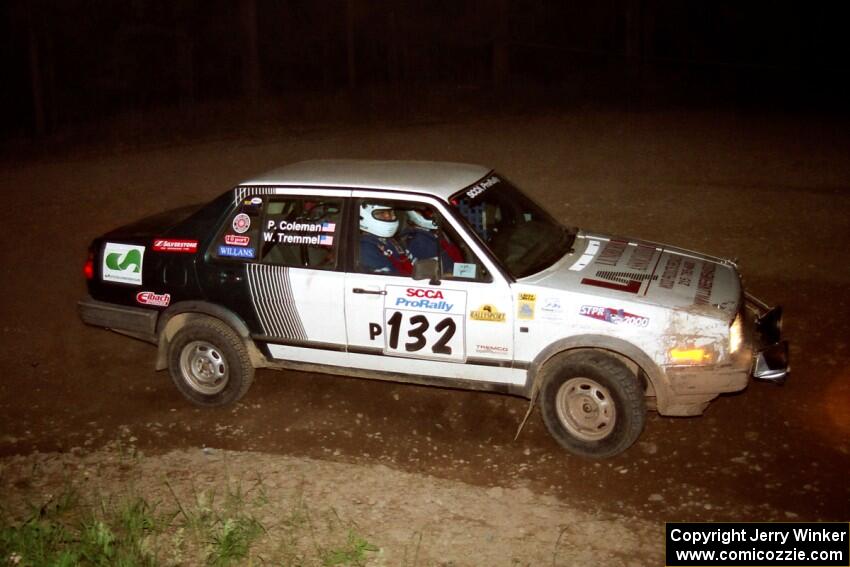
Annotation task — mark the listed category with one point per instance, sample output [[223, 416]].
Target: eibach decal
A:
[[155, 299], [612, 315], [175, 245]]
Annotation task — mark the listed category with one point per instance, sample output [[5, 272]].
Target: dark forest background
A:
[[69, 63]]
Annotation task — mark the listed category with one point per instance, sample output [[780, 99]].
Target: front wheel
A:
[[209, 364], [592, 404]]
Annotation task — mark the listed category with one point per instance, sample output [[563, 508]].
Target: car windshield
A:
[[523, 236]]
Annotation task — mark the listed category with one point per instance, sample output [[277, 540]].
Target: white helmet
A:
[[371, 223], [425, 221]]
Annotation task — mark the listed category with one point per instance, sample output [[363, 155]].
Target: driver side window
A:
[[301, 232]]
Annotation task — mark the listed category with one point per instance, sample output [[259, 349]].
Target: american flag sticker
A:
[[325, 240], [328, 227]]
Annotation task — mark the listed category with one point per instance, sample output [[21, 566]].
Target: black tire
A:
[[591, 403], [209, 364]]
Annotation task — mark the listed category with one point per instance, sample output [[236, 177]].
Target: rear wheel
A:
[[591, 403], [209, 364]]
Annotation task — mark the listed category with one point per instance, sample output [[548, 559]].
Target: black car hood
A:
[[155, 225]]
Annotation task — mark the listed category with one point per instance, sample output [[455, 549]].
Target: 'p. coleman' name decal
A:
[[175, 245], [288, 226], [615, 316], [151, 298]]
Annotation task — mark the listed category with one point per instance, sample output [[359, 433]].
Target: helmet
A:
[[423, 218], [375, 221]]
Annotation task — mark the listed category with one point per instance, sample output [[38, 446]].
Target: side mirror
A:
[[427, 269]]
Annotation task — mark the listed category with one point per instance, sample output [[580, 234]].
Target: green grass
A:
[[219, 526]]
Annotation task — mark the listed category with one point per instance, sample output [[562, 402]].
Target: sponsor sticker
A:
[[491, 349], [123, 263], [426, 299], [705, 284], [254, 201], [487, 312], [482, 186], [612, 252], [241, 223], [175, 245], [151, 298], [612, 315], [237, 252], [551, 308], [525, 306], [237, 240]]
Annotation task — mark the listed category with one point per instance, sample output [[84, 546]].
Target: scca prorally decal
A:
[[236, 251], [611, 315], [122, 263], [428, 299], [273, 301], [151, 298], [237, 240], [241, 223], [175, 245], [482, 186]]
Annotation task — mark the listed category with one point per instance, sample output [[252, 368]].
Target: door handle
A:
[[370, 291]]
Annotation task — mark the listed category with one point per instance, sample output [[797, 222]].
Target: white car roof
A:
[[441, 179]]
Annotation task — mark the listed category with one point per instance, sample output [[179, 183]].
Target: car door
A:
[[459, 326], [278, 264]]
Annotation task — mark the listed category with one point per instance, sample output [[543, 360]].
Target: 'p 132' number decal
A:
[[424, 322]]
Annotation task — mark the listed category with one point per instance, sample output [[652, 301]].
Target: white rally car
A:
[[432, 273]]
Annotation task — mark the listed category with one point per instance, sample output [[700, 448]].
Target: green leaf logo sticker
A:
[[122, 263], [132, 259]]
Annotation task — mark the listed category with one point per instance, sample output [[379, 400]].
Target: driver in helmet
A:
[[380, 251], [423, 240]]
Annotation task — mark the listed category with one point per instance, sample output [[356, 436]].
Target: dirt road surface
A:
[[772, 191]]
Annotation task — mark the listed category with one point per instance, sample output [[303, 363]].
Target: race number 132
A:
[[424, 335]]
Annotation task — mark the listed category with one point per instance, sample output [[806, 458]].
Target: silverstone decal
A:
[[587, 257], [615, 316], [237, 240], [241, 223], [175, 245], [423, 322], [482, 186], [271, 295], [123, 263], [551, 308], [671, 268], [487, 313], [612, 252], [641, 258], [151, 298], [525, 306], [241, 194], [705, 284], [236, 251]]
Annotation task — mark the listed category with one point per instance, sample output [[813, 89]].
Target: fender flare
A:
[[617, 346], [191, 308]]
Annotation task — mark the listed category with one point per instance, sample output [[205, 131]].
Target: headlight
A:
[[736, 334]]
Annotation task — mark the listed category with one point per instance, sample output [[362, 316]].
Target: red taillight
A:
[[88, 269]]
